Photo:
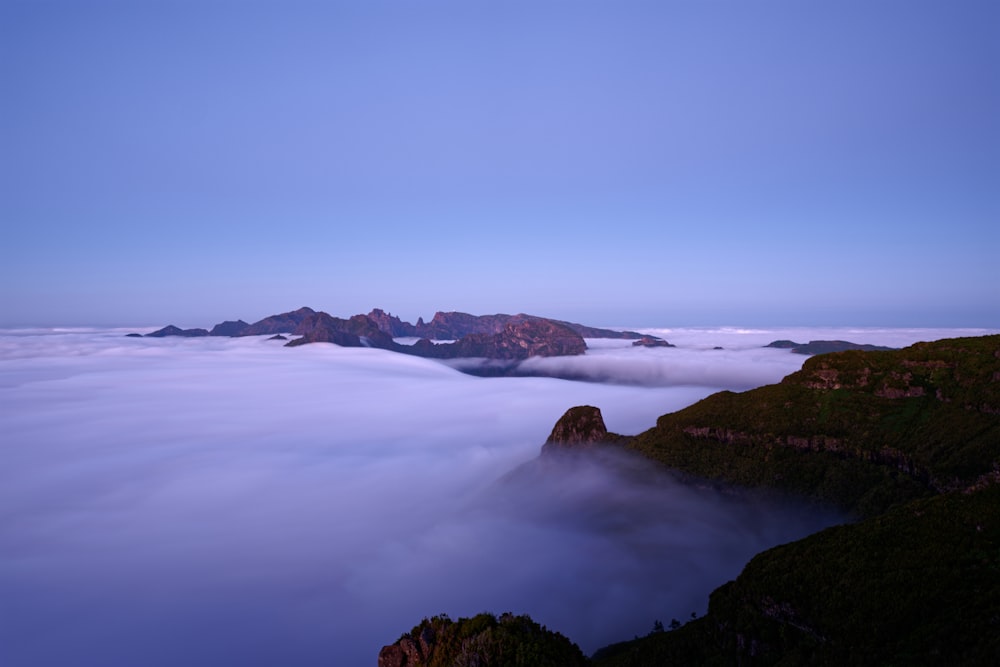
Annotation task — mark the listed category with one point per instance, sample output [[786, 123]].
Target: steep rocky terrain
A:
[[909, 441], [502, 337], [391, 324], [278, 324], [455, 325], [520, 339], [865, 430]]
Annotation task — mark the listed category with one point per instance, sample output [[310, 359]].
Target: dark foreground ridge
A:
[[503, 337], [909, 441], [484, 641]]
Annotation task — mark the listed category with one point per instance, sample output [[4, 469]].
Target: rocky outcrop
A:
[[391, 324], [651, 341], [580, 427], [455, 325], [529, 337], [171, 330], [498, 337], [358, 331], [229, 328], [825, 346], [283, 323]]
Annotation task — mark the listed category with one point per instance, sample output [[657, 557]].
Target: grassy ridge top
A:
[[909, 439], [865, 430]]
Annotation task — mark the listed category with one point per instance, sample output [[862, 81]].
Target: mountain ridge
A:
[[909, 442]]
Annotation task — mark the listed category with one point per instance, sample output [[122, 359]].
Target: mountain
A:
[[171, 330], [518, 339], [358, 331], [392, 325], [824, 346], [502, 337], [278, 324], [865, 430], [909, 441], [455, 325], [229, 328]]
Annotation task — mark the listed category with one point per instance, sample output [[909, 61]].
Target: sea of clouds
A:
[[231, 501]]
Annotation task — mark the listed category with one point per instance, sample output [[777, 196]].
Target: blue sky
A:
[[620, 163]]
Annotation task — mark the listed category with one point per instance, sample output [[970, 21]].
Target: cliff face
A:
[[909, 439], [505, 337], [455, 325], [277, 324], [580, 427], [358, 331], [863, 429], [391, 324], [520, 339]]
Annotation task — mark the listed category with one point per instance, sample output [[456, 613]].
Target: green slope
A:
[[866, 430]]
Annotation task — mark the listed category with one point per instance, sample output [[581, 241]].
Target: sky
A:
[[625, 163], [229, 501]]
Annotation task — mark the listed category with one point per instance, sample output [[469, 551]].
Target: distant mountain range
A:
[[507, 337], [500, 336], [906, 440]]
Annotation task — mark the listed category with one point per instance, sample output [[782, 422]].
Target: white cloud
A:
[[232, 501]]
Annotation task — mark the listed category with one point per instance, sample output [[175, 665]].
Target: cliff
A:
[[865, 430], [518, 339], [455, 325], [504, 337], [278, 324], [909, 440]]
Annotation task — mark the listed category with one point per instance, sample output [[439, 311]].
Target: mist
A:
[[232, 501]]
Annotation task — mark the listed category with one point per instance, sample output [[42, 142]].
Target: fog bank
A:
[[232, 501]]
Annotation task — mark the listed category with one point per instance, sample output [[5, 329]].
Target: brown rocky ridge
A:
[[580, 427], [509, 338]]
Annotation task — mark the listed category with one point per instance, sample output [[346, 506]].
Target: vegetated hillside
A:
[[865, 430], [919, 585], [909, 440], [482, 641]]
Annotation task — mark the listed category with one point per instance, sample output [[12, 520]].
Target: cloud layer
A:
[[218, 501]]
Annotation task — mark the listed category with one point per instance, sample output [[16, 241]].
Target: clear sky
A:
[[658, 163]]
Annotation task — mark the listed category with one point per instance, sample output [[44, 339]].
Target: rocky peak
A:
[[391, 324], [276, 324], [520, 339], [651, 341], [228, 328], [582, 425]]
